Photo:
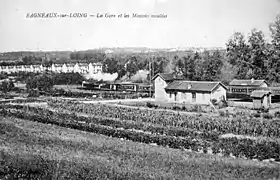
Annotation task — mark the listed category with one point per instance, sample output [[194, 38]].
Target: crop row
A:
[[117, 123], [238, 125], [240, 148]]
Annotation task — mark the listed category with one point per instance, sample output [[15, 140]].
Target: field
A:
[[65, 139], [233, 109], [31, 149]]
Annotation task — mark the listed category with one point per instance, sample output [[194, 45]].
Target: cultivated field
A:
[[66, 139], [34, 150]]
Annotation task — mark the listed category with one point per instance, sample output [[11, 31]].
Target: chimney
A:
[[252, 80]]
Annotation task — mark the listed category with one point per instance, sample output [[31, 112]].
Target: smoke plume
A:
[[102, 76], [169, 67], [141, 75]]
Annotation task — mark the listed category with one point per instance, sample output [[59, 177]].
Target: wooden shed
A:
[[261, 99]]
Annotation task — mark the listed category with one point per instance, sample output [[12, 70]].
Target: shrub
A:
[[33, 93], [196, 108], [277, 114], [214, 101], [151, 105], [267, 116], [256, 115]]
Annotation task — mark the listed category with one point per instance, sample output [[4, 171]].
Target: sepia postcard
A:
[[140, 89]]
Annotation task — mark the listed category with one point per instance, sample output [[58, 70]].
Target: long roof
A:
[[259, 93], [207, 86], [168, 76], [239, 82]]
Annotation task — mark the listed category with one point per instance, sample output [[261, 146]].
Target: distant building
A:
[[68, 68], [57, 68], [161, 81], [95, 68], [261, 99], [199, 92], [246, 86], [82, 68]]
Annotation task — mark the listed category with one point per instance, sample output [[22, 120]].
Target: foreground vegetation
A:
[[238, 125], [31, 150], [200, 140]]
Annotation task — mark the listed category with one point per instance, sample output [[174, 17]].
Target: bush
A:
[[196, 108], [33, 93], [214, 101], [267, 116], [7, 86], [256, 115], [149, 105], [176, 107], [277, 114], [42, 82], [67, 78]]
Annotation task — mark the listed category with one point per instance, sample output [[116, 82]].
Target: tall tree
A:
[[258, 54], [238, 55], [179, 67], [198, 63], [189, 72], [274, 60], [132, 66], [213, 66], [110, 65]]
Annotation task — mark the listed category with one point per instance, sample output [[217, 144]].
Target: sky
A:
[[189, 23]]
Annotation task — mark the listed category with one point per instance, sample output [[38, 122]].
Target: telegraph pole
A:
[[150, 73]]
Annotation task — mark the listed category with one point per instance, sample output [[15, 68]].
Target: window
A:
[[193, 97]]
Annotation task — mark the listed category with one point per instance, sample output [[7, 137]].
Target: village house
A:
[[3, 69], [246, 86], [57, 68], [95, 68], [77, 68], [14, 69], [10, 69], [199, 92], [161, 80], [27, 68], [19, 68], [261, 99], [64, 68], [84, 68], [70, 67], [37, 68]]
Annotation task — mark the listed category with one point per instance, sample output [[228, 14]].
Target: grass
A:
[[51, 152]]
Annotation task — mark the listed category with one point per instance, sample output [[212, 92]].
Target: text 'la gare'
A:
[[106, 15]]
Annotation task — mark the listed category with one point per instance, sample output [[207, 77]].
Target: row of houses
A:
[[82, 68], [173, 88]]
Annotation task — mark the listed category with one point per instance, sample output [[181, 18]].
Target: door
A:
[[193, 97]]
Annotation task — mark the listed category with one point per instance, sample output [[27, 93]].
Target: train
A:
[[123, 87]]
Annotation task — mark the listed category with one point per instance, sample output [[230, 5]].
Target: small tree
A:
[[7, 86], [41, 82]]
